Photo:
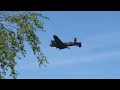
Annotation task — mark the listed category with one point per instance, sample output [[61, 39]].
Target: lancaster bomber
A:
[[62, 45]]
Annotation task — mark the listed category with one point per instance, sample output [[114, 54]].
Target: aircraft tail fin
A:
[[77, 43], [75, 40]]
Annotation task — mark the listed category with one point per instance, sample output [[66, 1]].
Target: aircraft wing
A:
[[58, 41]]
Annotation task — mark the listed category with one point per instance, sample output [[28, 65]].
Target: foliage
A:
[[16, 28]]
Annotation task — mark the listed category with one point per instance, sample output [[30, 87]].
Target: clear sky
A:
[[99, 56]]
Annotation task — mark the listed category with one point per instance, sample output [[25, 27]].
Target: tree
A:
[[16, 28]]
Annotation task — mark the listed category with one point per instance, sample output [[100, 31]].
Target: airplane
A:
[[62, 45]]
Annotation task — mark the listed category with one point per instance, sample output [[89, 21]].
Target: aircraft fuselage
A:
[[66, 44]]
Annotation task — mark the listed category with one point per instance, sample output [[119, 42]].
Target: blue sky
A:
[[99, 56]]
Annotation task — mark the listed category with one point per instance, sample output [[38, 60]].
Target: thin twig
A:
[[9, 25]]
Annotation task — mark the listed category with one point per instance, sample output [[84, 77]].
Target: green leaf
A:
[[15, 30]]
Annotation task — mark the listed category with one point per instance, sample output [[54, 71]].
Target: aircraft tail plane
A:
[[77, 43]]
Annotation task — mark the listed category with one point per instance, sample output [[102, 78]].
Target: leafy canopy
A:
[[16, 28]]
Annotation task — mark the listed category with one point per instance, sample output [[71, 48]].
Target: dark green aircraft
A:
[[59, 44]]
